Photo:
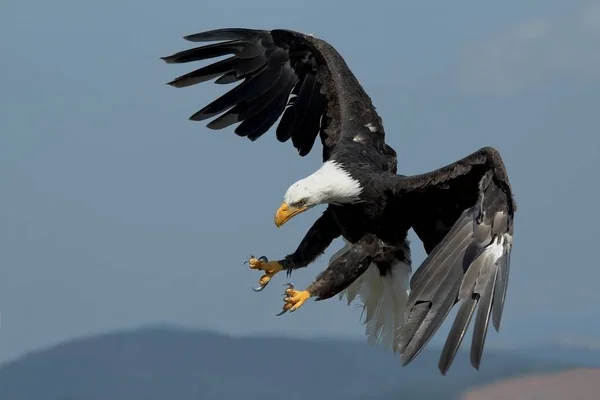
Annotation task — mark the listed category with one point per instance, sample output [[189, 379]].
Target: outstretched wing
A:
[[463, 213], [283, 73]]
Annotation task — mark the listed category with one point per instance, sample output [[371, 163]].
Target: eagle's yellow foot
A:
[[270, 268], [294, 299]]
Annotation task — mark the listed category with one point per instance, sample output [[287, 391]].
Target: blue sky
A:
[[116, 211]]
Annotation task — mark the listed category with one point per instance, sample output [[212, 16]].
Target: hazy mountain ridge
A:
[[580, 384], [159, 363]]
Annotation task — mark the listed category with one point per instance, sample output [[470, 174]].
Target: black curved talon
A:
[[260, 287], [290, 286]]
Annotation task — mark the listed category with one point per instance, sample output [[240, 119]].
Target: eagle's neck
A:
[[334, 184]]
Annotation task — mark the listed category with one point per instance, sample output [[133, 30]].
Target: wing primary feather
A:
[[243, 69], [450, 240], [430, 324], [439, 287], [440, 283], [302, 104], [500, 290], [228, 78], [284, 131], [457, 333], [258, 124], [274, 95], [438, 262], [310, 126], [205, 52], [412, 322], [205, 74], [488, 281], [248, 90], [224, 34]]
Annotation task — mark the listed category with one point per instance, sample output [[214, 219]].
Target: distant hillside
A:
[[165, 363], [580, 384]]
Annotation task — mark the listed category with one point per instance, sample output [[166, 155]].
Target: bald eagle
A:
[[463, 212]]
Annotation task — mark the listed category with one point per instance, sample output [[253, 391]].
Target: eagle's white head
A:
[[329, 184]]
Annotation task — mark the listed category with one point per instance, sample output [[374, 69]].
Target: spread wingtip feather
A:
[[469, 266]]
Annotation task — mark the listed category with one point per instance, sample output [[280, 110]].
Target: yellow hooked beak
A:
[[285, 213]]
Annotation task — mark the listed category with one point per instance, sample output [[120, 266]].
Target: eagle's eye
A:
[[301, 202]]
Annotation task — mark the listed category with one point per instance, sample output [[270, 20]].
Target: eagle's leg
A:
[[338, 275], [315, 242]]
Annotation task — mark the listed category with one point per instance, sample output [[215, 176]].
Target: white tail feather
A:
[[383, 300]]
